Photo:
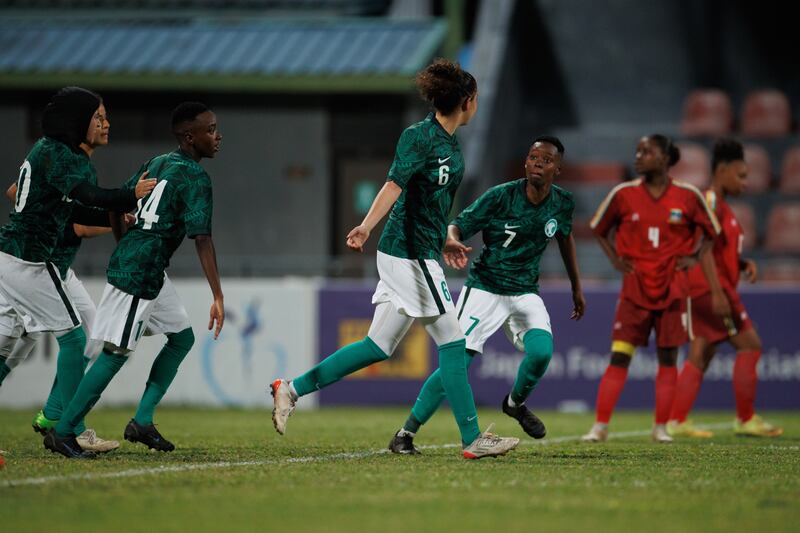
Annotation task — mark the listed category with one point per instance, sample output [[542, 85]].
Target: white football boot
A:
[[661, 435], [283, 404], [598, 433], [88, 440], [489, 445]]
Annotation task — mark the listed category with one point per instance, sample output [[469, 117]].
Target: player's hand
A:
[[144, 185], [750, 270], [685, 262], [623, 265], [128, 219], [578, 305], [217, 315], [719, 304], [455, 253], [357, 237]]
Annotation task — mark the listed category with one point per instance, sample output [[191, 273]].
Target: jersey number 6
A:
[[444, 175]]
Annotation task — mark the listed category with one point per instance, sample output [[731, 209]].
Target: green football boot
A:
[[42, 424]]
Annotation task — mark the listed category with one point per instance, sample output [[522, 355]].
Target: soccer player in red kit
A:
[[655, 220], [716, 312]]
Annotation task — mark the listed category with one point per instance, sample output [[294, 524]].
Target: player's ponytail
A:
[[667, 147], [445, 85]]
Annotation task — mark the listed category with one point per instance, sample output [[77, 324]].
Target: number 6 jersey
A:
[[178, 206], [653, 233]]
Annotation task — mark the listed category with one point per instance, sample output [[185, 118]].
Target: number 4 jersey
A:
[[178, 206], [653, 233]]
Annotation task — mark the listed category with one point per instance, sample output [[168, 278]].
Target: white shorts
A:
[[37, 296], [87, 310], [416, 287], [481, 313], [122, 318]]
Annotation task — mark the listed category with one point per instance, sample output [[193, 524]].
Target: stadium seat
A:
[[783, 228], [594, 172], [787, 271], [707, 113], [747, 219], [694, 165], [790, 171], [766, 113], [759, 176]]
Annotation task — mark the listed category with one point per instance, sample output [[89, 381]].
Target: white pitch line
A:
[[136, 472]]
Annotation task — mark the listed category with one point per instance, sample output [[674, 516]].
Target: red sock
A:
[[666, 379], [609, 390], [744, 383], [686, 391]]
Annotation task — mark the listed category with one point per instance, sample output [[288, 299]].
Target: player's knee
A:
[[621, 360], [183, 340], [381, 346], [538, 347]]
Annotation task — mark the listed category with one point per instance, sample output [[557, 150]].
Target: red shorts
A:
[[704, 323], [632, 324]]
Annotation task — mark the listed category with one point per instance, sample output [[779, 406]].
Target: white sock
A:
[[512, 403], [403, 432], [293, 392], [600, 425]]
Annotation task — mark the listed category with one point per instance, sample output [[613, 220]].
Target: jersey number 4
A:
[[653, 235], [147, 213]]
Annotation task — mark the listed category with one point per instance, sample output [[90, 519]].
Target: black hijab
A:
[[68, 115]]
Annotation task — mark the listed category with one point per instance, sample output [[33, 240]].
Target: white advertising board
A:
[[270, 331]]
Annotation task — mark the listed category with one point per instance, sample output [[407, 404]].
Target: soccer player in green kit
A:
[[419, 191], [518, 219], [62, 257], [55, 173], [139, 298]]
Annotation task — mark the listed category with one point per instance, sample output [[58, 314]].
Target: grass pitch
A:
[[232, 472]]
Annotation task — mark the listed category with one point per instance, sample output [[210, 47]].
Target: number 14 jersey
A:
[[653, 233], [178, 206]]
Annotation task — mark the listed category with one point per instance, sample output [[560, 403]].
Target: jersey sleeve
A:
[[475, 217], [565, 224], [409, 157], [198, 206], [702, 214], [607, 215], [68, 171]]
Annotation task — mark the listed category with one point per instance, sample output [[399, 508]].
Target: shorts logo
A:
[[550, 227], [675, 216]]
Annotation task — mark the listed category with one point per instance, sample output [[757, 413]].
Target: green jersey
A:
[[428, 166], [42, 207], [515, 235], [65, 251], [178, 206]]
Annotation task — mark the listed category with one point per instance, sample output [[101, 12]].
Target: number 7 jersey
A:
[[179, 205], [653, 233]]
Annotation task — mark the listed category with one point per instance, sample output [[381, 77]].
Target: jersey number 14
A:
[[147, 213]]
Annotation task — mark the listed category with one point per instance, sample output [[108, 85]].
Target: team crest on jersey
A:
[[675, 216], [550, 227]]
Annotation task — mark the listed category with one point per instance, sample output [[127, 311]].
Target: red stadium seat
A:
[[747, 220], [612, 172], [759, 176], [707, 112], [694, 165], [790, 171], [783, 228], [766, 113]]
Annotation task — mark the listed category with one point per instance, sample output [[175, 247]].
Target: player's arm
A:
[[208, 260], [750, 269], [719, 301], [605, 219], [121, 200], [87, 232], [620, 263], [566, 245], [455, 252], [11, 192], [383, 202]]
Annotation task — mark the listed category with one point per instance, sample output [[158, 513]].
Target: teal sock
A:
[[70, 363], [91, 387], [4, 369], [430, 397], [52, 407], [456, 386], [538, 352], [339, 364], [164, 369]]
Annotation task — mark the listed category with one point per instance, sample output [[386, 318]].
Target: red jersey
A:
[[653, 233], [727, 249]]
